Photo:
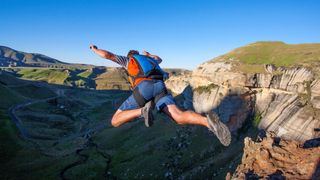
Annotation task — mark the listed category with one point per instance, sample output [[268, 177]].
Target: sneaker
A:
[[219, 129], [146, 112]]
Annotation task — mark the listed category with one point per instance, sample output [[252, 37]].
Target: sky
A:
[[184, 33]]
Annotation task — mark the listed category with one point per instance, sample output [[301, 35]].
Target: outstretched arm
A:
[[103, 53], [157, 58]]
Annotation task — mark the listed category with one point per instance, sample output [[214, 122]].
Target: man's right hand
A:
[[103, 53], [92, 47]]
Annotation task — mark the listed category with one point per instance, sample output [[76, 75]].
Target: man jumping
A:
[[147, 80]]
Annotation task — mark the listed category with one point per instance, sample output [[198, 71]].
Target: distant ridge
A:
[[14, 58]]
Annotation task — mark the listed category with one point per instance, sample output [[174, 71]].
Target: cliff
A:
[[284, 99]]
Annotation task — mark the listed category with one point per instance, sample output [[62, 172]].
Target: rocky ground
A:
[[275, 158]]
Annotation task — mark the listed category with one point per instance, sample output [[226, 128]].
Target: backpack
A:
[[141, 68]]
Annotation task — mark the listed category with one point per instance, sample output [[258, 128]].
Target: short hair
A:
[[132, 52]]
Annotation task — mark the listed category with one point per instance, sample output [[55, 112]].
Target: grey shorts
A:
[[149, 89]]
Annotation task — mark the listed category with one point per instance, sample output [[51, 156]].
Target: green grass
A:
[[30, 164], [135, 149], [277, 53], [85, 74], [101, 112], [256, 120], [205, 89], [135, 146], [250, 68], [34, 92], [8, 97], [7, 79], [55, 76], [112, 78], [41, 107], [8, 138]]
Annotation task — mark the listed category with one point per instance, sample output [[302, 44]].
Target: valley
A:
[[65, 132], [55, 117]]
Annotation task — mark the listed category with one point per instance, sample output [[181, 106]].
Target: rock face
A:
[[286, 99], [273, 158]]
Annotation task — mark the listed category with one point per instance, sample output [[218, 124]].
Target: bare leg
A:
[[121, 117], [185, 117]]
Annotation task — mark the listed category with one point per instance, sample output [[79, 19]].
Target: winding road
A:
[[12, 113], [87, 134]]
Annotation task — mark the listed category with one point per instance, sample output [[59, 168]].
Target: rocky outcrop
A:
[[315, 93], [274, 158], [178, 84], [286, 99]]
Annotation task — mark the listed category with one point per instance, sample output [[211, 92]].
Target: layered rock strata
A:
[[286, 99]]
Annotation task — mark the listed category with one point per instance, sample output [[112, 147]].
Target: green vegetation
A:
[[91, 78], [256, 120], [277, 53], [8, 97], [112, 79], [251, 58], [305, 98], [8, 138], [7, 79], [85, 74], [61, 136], [112, 152], [33, 91], [55, 76], [308, 90], [250, 68], [205, 89]]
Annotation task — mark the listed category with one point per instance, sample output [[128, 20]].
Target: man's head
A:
[[132, 52]]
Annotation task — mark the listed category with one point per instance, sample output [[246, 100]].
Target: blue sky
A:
[[184, 33]]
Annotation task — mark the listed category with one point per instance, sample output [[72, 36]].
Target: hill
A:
[[13, 58], [38, 67], [252, 57], [277, 53]]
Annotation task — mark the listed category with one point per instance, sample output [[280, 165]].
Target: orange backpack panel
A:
[[134, 70], [133, 67]]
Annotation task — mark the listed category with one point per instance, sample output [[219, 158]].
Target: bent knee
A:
[[114, 120], [180, 118], [175, 113]]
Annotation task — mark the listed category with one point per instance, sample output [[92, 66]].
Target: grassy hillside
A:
[[33, 91], [55, 76], [11, 144], [9, 97], [277, 53], [32, 66], [101, 78], [112, 78]]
